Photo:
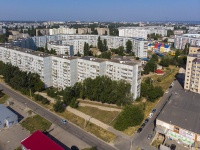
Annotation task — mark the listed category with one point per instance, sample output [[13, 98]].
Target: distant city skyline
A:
[[104, 10]]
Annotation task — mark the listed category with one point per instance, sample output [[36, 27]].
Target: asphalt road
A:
[[79, 133], [140, 139]]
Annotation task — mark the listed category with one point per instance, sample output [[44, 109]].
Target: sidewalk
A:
[[98, 123], [100, 107]]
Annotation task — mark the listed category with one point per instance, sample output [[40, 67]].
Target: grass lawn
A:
[[36, 123], [92, 128], [3, 99], [102, 115], [19, 148]]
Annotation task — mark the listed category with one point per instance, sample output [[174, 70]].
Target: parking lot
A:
[[11, 138]]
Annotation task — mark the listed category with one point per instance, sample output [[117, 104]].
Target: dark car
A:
[[173, 147], [146, 120], [143, 125], [74, 148], [154, 110], [170, 86], [139, 130]]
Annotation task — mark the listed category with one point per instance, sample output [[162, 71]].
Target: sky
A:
[[100, 10]]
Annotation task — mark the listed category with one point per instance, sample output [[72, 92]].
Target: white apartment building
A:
[[141, 32], [64, 71], [61, 48], [127, 70], [90, 67], [62, 30], [182, 40], [139, 44], [61, 71], [192, 74], [29, 61]]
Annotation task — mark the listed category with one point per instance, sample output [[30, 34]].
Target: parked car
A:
[[63, 121], [170, 86], [143, 125], [154, 110], [146, 120], [173, 147], [149, 136], [139, 130], [74, 148], [150, 115]]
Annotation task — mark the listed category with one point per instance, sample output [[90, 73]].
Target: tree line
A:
[[20, 80]]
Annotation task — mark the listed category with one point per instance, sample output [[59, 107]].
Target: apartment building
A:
[[62, 30], [90, 67], [192, 75], [130, 71], [61, 71], [139, 44], [181, 40], [40, 32], [61, 48], [141, 32], [179, 32], [103, 31], [84, 30], [29, 61], [64, 71]]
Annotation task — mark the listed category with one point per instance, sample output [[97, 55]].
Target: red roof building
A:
[[39, 141], [159, 72]]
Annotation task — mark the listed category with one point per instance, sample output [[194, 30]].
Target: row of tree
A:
[[101, 89], [25, 82]]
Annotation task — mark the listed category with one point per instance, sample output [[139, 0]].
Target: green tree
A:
[[129, 46], [86, 49], [59, 106], [165, 62], [130, 116]]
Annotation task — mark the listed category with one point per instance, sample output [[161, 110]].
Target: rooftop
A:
[[183, 110], [5, 112], [39, 141]]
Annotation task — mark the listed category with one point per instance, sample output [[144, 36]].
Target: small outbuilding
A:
[[159, 72], [7, 117]]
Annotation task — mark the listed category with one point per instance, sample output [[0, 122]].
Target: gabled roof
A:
[[39, 141]]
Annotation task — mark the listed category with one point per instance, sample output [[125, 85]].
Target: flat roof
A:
[[91, 58], [39, 141], [5, 112], [29, 51], [182, 110]]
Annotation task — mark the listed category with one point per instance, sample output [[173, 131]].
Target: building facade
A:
[[29, 61], [182, 40], [139, 44], [61, 48], [61, 71], [192, 75], [142, 32]]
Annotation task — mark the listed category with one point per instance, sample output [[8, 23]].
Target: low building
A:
[[179, 119], [39, 141], [159, 72], [7, 117]]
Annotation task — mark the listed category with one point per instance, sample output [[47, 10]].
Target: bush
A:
[[74, 103], [159, 79], [130, 116]]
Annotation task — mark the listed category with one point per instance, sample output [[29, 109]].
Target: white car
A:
[[150, 115], [167, 91], [172, 84]]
